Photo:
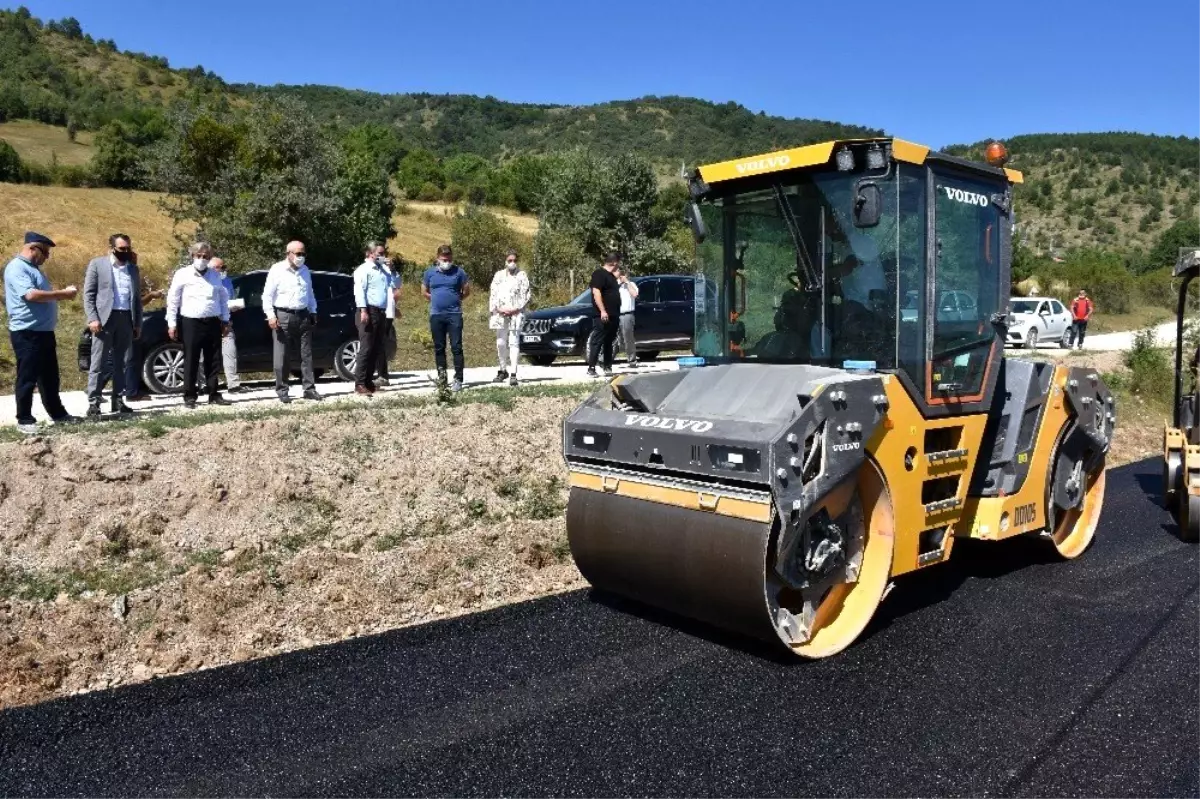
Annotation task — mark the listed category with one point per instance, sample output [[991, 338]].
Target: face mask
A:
[[299, 261], [443, 265], [200, 265], [122, 257], [512, 267], [381, 261]]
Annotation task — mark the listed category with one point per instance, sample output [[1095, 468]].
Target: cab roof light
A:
[[996, 154], [875, 157]]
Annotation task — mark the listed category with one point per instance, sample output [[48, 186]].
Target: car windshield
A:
[[583, 299], [1023, 306]]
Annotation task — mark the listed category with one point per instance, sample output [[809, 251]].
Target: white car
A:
[[1034, 320]]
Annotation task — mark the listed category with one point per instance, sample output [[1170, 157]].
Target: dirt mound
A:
[[126, 555]]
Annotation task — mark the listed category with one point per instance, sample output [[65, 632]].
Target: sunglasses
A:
[[40, 248]]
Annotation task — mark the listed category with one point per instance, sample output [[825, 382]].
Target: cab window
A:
[[647, 291], [967, 258], [1058, 309], [674, 291]]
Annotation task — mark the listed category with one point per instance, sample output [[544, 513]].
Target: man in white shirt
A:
[[291, 308], [625, 337], [198, 311], [229, 356], [391, 314]]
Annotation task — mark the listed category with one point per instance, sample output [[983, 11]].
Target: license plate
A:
[[530, 337]]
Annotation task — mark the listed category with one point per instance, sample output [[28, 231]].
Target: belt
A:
[[626, 313], [291, 310]]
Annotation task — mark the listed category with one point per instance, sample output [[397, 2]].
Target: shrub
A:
[[480, 239], [429, 193], [1150, 368], [10, 163]]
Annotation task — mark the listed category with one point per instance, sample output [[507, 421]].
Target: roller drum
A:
[[701, 565]]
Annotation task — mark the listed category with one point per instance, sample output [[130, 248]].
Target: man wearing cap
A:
[[32, 305], [291, 307], [113, 306], [198, 312], [606, 299]]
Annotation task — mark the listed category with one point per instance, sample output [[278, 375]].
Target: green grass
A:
[[1142, 316], [157, 426]]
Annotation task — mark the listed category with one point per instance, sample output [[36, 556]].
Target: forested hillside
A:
[[1117, 192]]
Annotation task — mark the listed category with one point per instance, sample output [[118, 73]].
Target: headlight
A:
[[567, 321]]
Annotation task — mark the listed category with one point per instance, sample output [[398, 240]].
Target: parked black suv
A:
[[664, 319], [335, 339]]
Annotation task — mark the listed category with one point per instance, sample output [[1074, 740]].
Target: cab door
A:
[[677, 316], [646, 310]]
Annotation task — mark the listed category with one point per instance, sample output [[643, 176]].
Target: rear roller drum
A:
[[824, 620], [1189, 516], [1173, 482], [1074, 529]]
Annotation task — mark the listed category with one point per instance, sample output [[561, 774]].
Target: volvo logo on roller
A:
[[667, 423], [759, 164]]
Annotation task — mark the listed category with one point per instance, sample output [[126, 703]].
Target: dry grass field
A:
[[41, 143]]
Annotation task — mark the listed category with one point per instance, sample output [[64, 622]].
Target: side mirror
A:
[[696, 222], [868, 204]]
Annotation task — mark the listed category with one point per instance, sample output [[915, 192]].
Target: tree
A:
[[255, 177], [527, 177], [381, 142], [467, 170], [480, 239], [1184, 233], [603, 203], [10, 163], [115, 158], [418, 168]]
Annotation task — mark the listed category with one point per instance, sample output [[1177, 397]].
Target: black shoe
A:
[[501, 376], [217, 399], [93, 412], [285, 398], [189, 403], [239, 390], [311, 394], [591, 372], [121, 409]]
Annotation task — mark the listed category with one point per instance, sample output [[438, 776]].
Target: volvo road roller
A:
[[1181, 439], [848, 412]]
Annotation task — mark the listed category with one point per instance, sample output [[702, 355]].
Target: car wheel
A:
[[541, 360], [162, 370], [1031, 340], [648, 355], [345, 360], [1065, 341]]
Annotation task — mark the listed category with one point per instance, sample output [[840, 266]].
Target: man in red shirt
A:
[[1081, 312]]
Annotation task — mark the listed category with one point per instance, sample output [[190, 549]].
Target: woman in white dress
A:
[[508, 297]]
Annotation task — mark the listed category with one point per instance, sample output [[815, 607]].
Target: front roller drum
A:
[[717, 568]]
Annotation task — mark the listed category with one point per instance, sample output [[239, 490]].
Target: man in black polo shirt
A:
[[606, 297]]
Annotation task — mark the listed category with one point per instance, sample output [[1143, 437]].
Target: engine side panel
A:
[[926, 464]]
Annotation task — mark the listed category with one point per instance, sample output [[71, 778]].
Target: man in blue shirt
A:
[[372, 286], [445, 285], [32, 305]]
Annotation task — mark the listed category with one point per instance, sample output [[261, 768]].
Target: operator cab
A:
[[851, 254]]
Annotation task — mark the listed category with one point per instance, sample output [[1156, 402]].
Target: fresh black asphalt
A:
[[1000, 673]]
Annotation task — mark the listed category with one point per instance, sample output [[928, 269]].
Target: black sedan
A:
[[664, 319], [335, 339]]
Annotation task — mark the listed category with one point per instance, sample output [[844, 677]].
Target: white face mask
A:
[[200, 265], [443, 265], [512, 267], [298, 261]]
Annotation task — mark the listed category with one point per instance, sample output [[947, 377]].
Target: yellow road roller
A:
[[1181, 438], [848, 411]]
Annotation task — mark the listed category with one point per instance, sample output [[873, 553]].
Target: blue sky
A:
[[937, 72]]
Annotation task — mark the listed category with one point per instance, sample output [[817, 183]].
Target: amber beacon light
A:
[[997, 154]]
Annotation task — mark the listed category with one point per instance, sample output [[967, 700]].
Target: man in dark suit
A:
[[112, 301]]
